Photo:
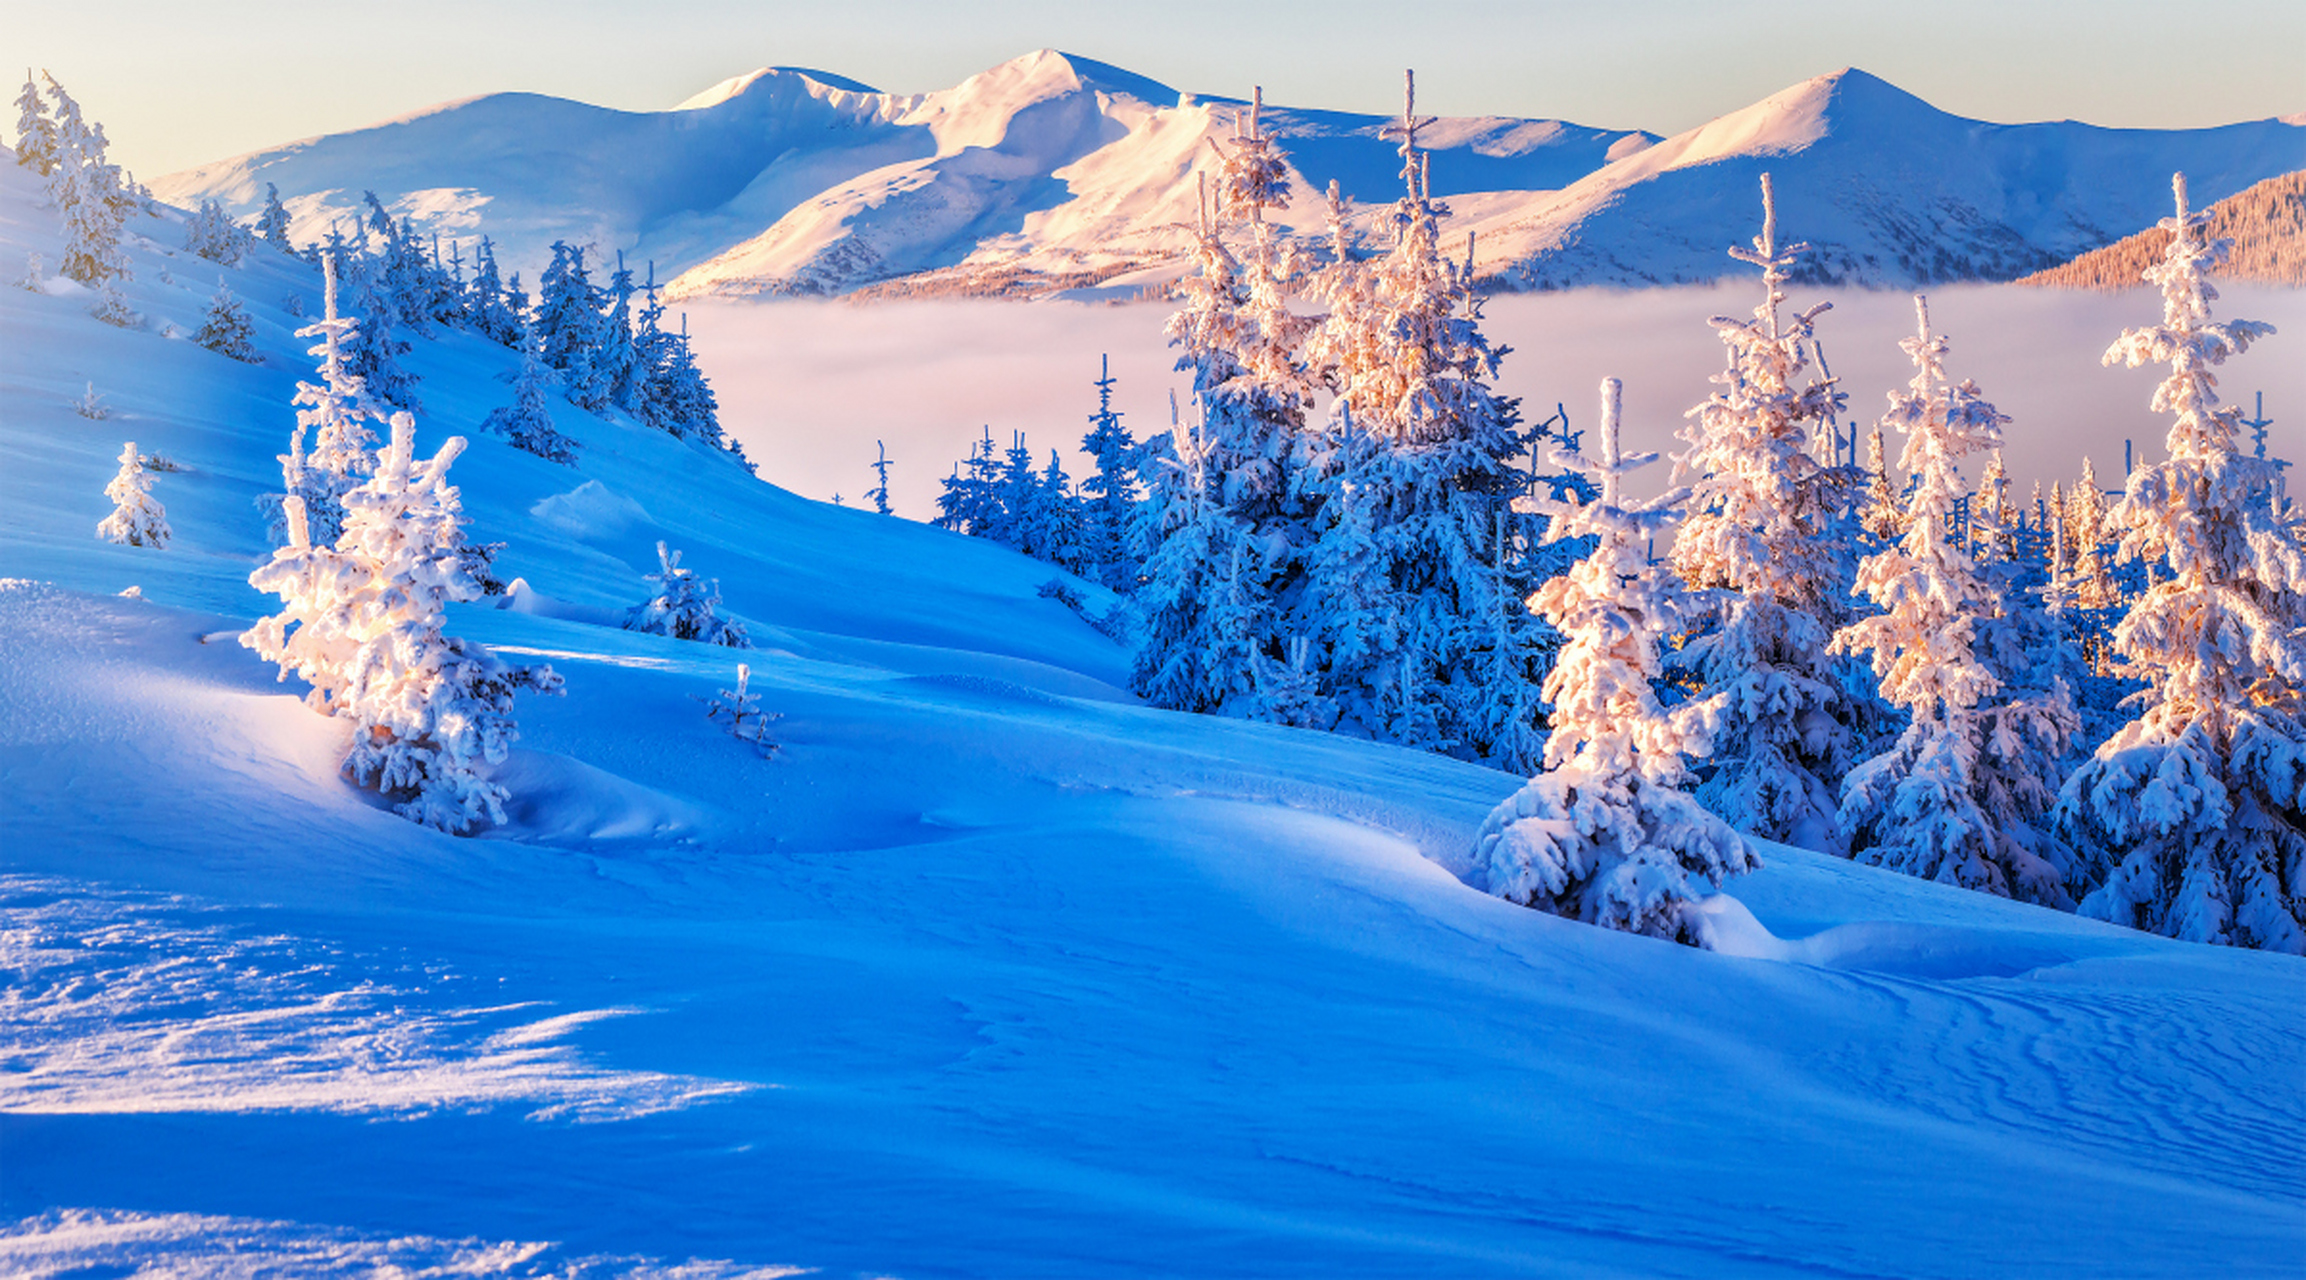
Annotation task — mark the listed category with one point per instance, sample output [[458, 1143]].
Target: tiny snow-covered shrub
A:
[[91, 405], [1606, 834], [137, 519], [113, 309], [162, 462], [683, 607], [35, 269], [739, 711], [227, 330]]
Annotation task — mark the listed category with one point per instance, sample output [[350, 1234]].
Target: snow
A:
[[991, 971], [1052, 172]]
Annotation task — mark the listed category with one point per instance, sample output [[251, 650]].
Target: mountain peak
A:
[[737, 86]]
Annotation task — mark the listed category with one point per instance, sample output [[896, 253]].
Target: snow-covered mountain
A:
[[1887, 188], [1053, 171], [1049, 167]]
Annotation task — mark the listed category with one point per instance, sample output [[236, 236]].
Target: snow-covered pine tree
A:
[[568, 326], [86, 190], [622, 373], [494, 312], [683, 607], [1431, 445], [91, 404], [1110, 494], [1883, 511], [1993, 521], [1964, 794], [337, 412], [137, 518], [1198, 646], [2094, 586], [739, 711], [226, 328], [272, 223], [35, 131], [879, 493], [1759, 532], [1605, 833], [527, 422], [362, 625], [1058, 521], [213, 235], [372, 348], [2189, 822]]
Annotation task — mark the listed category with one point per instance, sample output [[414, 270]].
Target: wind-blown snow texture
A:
[[1052, 172], [990, 973]]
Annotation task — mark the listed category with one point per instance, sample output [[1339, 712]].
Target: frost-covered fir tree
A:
[[226, 328], [2189, 821], [618, 366], [879, 493], [527, 422], [362, 624], [137, 518], [1110, 494], [88, 196], [1883, 512], [1760, 532], [567, 325], [684, 607], [213, 235], [1431, 447], [495, 312], [35, 131], [1963, 796], [1606, 834], [1199, 624], [2094, 586], [337, 413], [372, 349], [272, 223]]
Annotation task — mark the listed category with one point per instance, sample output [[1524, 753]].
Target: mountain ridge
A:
[[1052, 172]]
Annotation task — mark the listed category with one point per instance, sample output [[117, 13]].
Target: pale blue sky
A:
[[177, 83]]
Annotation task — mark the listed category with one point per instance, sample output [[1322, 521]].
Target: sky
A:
[[179, 84]]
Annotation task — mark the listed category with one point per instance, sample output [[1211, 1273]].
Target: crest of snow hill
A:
[[1053, 172], [1343, 534]]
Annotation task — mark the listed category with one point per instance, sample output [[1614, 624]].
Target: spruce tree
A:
[[568, 326], [2189, 822], [685, 607], [86, 190], [35, 130], [137, 519], [362, 624], [1760, 533], [879, 493], [1963, 796], [226, 328], [527, 423], [373, 347], [1606, 833], [1111, 492], [272, 223]]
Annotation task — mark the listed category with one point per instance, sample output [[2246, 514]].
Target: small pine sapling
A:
[[113, 309], [137, 519], [684, 607], [272, 224], [527, 423], [879, 493], [35, 274], [739, 712], [1606, 834], [91, 405], [227, 329]]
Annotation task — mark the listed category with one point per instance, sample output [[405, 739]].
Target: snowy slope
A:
[[993, 974], [1888, 189], [785, 180]]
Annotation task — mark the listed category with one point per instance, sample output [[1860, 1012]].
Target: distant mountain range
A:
[[2267, 224], [1052, 172]]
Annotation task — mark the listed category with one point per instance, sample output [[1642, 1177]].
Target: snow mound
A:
[[591, 511]]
